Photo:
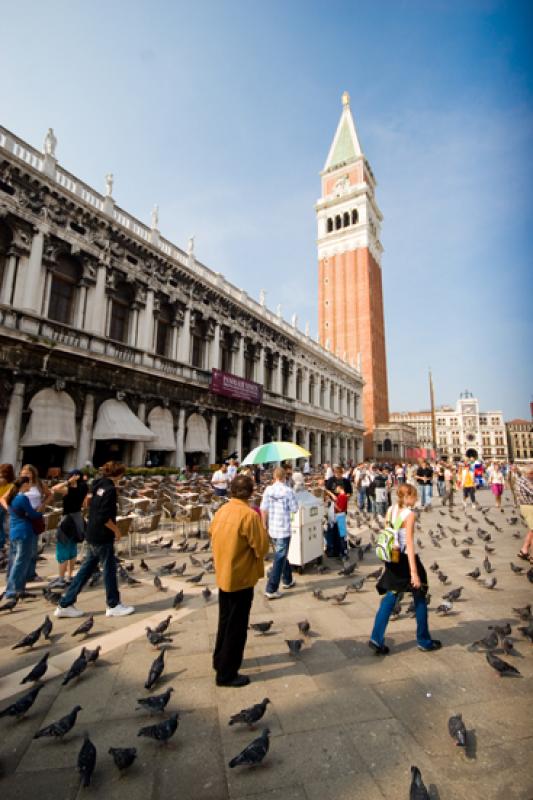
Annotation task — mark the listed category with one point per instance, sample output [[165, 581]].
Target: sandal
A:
[[522, 555]]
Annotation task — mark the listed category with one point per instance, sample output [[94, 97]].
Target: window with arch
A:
[[164, 330], [120, 312], [329, 225], [198, 342], [387, 445], [66, 275], [299, 382], [355, 217], [269, 371], [249, 361], [285, 374], [338, 222], [345, 219], [311, 396], [332, 397]]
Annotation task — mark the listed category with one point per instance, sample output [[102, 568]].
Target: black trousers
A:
[[233, 616]]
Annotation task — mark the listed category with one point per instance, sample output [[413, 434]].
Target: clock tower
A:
[[350, 294]]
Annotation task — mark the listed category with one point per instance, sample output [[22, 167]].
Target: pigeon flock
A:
[[477, 543]]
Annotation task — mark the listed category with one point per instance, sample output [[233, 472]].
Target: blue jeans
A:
[[96, 553], [20, 552], [32, 566], [281, 569], [362, 498], [340, 519], [381, 508], [2, 527], [384, 611], [425, 494]]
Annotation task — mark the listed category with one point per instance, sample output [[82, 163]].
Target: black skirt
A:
[[396, 577]]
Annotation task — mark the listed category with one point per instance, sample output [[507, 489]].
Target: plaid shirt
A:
[[524, 490], [279, 501]]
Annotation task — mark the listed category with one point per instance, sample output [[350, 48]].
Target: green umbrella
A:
[[275, 451]]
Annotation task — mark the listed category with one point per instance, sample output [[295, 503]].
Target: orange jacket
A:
[[240, 544]]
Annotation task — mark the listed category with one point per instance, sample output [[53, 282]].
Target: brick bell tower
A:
[[350, 294]]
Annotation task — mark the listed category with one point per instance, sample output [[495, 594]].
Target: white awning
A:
[[52, 421], [115, 420], [162, 426], [197, 439]]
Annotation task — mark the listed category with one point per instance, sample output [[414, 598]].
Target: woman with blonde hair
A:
[[7, 479], [497, 482], [403, 573]]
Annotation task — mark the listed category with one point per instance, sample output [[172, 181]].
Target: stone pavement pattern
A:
[[344, 723]]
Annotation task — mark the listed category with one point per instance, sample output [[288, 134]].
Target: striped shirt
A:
[[279, 501], [524, 490]]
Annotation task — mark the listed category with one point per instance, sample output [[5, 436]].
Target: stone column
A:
[[328, 448], [7, 285], [11, 437], [238, 439], [45, 299], [260, 377], [213, 439], [184, 345], [86, 432], [146, 324], [33, 276], [80, 306], [180, 439], [280, 433], [139, 448], [278, 382], [239, 366], [261, 432], [214, 351], [292, 381], [307, 438], [174, 341], [317, 457], [97, 304], [305, 385]]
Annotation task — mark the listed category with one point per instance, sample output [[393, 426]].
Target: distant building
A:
[[396, 441], [520, 439], [459, 429]]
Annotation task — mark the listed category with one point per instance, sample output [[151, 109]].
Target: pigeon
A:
[[304, 627], [500, 665], [348, 569], [434, 567], [444, 608], [155, 704], [339, 598], [166, 569], [489, 642], [156, 638], [453, 540], [474, 574], [508, 646], [166, 545], [318, 594], [453, 594], [294, 645], [457, 730], [10, 604], [78, 666], [489, 550], [180, 570], [417, 790], [38, 670], [161, 628], [419, 544], [376, 574], [527, 632], [95, 579], [465, 553], [487, 566], [358, 584], [178, 598], [92, 656], [490, 583], [21, 706], [195, 561], [196, 578], [123, 757], [86, 760], [158, 585], [46, 628], [515, 569], [249, 716], [442, 577], [29, 640], [254, 753], [206, 593], [501, 630], [163, 731], [524, 613], [156, 670], [143, 565], [85, 627], [61, 727], [261, 627]]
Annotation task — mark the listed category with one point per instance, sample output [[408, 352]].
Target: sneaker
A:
[[435, 645], [57, 583], [69, 611], [379, 649], [273, 595], [119, 611], [289, 585]]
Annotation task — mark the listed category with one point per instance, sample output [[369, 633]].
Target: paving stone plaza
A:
[[345, 724]]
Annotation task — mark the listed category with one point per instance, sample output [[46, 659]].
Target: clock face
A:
[[470, 437], [469, 408]]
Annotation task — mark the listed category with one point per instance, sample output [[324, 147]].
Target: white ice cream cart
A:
[[306, 531]]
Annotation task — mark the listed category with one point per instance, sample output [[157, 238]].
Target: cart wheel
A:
[[319, 560], [300, 570]]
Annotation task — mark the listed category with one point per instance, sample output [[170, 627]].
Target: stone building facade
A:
[[459, 429], [111, 335], [520, 439], [350, 292], [395, 442]]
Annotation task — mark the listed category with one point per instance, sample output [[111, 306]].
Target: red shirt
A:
[[341, 503]]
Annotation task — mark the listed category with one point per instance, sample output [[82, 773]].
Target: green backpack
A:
[[387, 537]]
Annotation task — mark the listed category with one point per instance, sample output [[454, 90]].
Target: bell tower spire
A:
[[350, 313]]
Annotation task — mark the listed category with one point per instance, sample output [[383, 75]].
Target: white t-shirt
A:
[[232, 471], [220, 479], [35, 497], [403, 513]]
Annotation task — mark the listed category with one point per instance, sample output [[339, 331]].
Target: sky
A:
[[223, 113]]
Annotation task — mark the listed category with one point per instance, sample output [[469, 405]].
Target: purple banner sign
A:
[[237, 388]]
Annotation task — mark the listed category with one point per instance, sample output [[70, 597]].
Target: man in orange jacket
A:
[[240, 544]]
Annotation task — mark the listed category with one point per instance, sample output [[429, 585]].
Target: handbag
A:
[[38, 525], [387, 538]]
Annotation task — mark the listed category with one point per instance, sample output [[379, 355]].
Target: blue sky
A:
[[223, 113]]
